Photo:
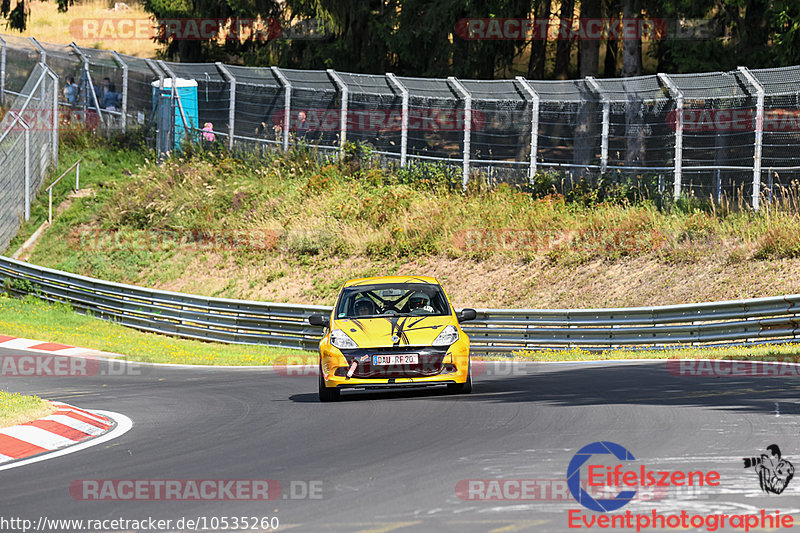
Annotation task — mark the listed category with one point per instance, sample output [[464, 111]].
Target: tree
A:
[[631, 48], [589, 49], [538, 53], [564, 45]]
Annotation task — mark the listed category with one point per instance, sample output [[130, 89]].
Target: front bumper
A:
[[437, 366]]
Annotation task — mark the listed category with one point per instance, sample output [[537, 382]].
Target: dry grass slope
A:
[[290, 229]]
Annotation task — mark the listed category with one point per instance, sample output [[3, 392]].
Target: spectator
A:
[[208, 132], [110, 99], [70, 91], [302, 125], [104, 88]]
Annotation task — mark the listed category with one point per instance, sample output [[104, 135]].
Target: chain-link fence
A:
[[712, 135], [28, 146]]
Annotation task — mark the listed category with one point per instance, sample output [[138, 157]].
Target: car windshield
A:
[[382, 300]]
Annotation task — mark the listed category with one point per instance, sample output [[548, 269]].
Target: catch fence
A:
[[28, 146], [711, 135]]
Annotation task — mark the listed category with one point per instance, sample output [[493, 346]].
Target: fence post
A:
[[40, 49], [2, 71], [758, 134], [678, 95], [606, 120], [343, 92], [403, 118], [54, 114], [27, 194], [176, 95], [159, 136], [467, 125], [287, 105], [88, 81], [534, 125], [124, 66], [232, 107]]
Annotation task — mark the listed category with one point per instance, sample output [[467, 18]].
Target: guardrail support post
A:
[[232, 107], [124, 66], [403, 118], [606, 120], [678, 95], [759, 133], [467, 97], [534, 125], [287, 106], [343, 93], [2, 72]]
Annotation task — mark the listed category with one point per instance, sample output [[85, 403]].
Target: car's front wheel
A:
[[461, 388], [326, 394]]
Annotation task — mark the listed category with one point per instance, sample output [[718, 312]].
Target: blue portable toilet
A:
[[187, 92]]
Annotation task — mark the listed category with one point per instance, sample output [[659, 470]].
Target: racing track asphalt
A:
[[390, 461]]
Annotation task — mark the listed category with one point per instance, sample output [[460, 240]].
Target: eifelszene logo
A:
[[592, 460], [602, 464], [774, 472]]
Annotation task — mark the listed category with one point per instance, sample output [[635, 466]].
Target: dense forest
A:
[[438, 38]]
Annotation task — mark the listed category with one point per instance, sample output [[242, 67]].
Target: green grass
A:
[[16, 408], [36, 319], [762, 352]]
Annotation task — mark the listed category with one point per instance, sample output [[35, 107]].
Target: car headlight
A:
[[448, 336], [342, 340]]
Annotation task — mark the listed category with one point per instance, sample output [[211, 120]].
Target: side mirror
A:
[[467, 314], [319, 320]]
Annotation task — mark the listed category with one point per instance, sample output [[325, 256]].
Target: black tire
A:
[[461, 388], [326, 394]]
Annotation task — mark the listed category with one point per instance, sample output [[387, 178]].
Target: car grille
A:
[[430, 362]]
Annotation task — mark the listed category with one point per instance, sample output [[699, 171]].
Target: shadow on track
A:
[[607, 384]]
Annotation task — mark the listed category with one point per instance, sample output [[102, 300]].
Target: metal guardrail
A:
[[495, 330]]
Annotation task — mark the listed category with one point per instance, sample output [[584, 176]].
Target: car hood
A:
[[406, 330]]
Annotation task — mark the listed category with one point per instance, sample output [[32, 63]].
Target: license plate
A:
[[395, 359]]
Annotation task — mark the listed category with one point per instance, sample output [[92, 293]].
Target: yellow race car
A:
[[394, 331]]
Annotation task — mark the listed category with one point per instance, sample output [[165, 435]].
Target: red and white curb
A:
[[67, 430], [18, 343]]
